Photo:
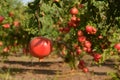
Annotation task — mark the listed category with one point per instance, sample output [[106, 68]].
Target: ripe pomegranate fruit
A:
[[91, 29], [1, 43], [40, 47], [82, 39], [97, 56], [74, 18], [85, 70], [74, 11], [6, 49], [7, 25], [72, 24], [117, 46], [80, 33], [16, 23], [87, 44], [78, 51]]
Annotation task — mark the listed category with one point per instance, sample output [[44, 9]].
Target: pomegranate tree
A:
[[76, 28]]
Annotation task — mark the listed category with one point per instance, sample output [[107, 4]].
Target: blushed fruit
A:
[[7, 25], [87, 49], [74, 18], [40, 47], [82, 39], [90, 29], [1, 19], [16, 23], [56, 0], [80, 33], [87, 44], [72, 24], [94, 30], [1, 43], [78, 51], [100, 37], [117, 46], [66, 29], [97, 56], [78, 20], [85, 70], [6, 49], [74, 11]]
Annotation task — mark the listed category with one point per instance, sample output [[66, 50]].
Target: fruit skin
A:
[[73, 18], [87, 44], [97, 56], [40, 47], [1, 19], [6, 49], [117, 46], [85, 70], [56, 0], [78, 51], [72, 24], [1, 43], [7, 25], [16, 23], [80, 33], [74, 11], [91, 29], [82, 39]]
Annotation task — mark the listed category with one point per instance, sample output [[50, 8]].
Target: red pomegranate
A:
[[91, 29], [117, 46], [74, 11], [7, 25], [40, 47]]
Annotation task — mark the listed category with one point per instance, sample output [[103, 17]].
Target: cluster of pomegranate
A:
[[7, 25], [86, 46], [73, 22]]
